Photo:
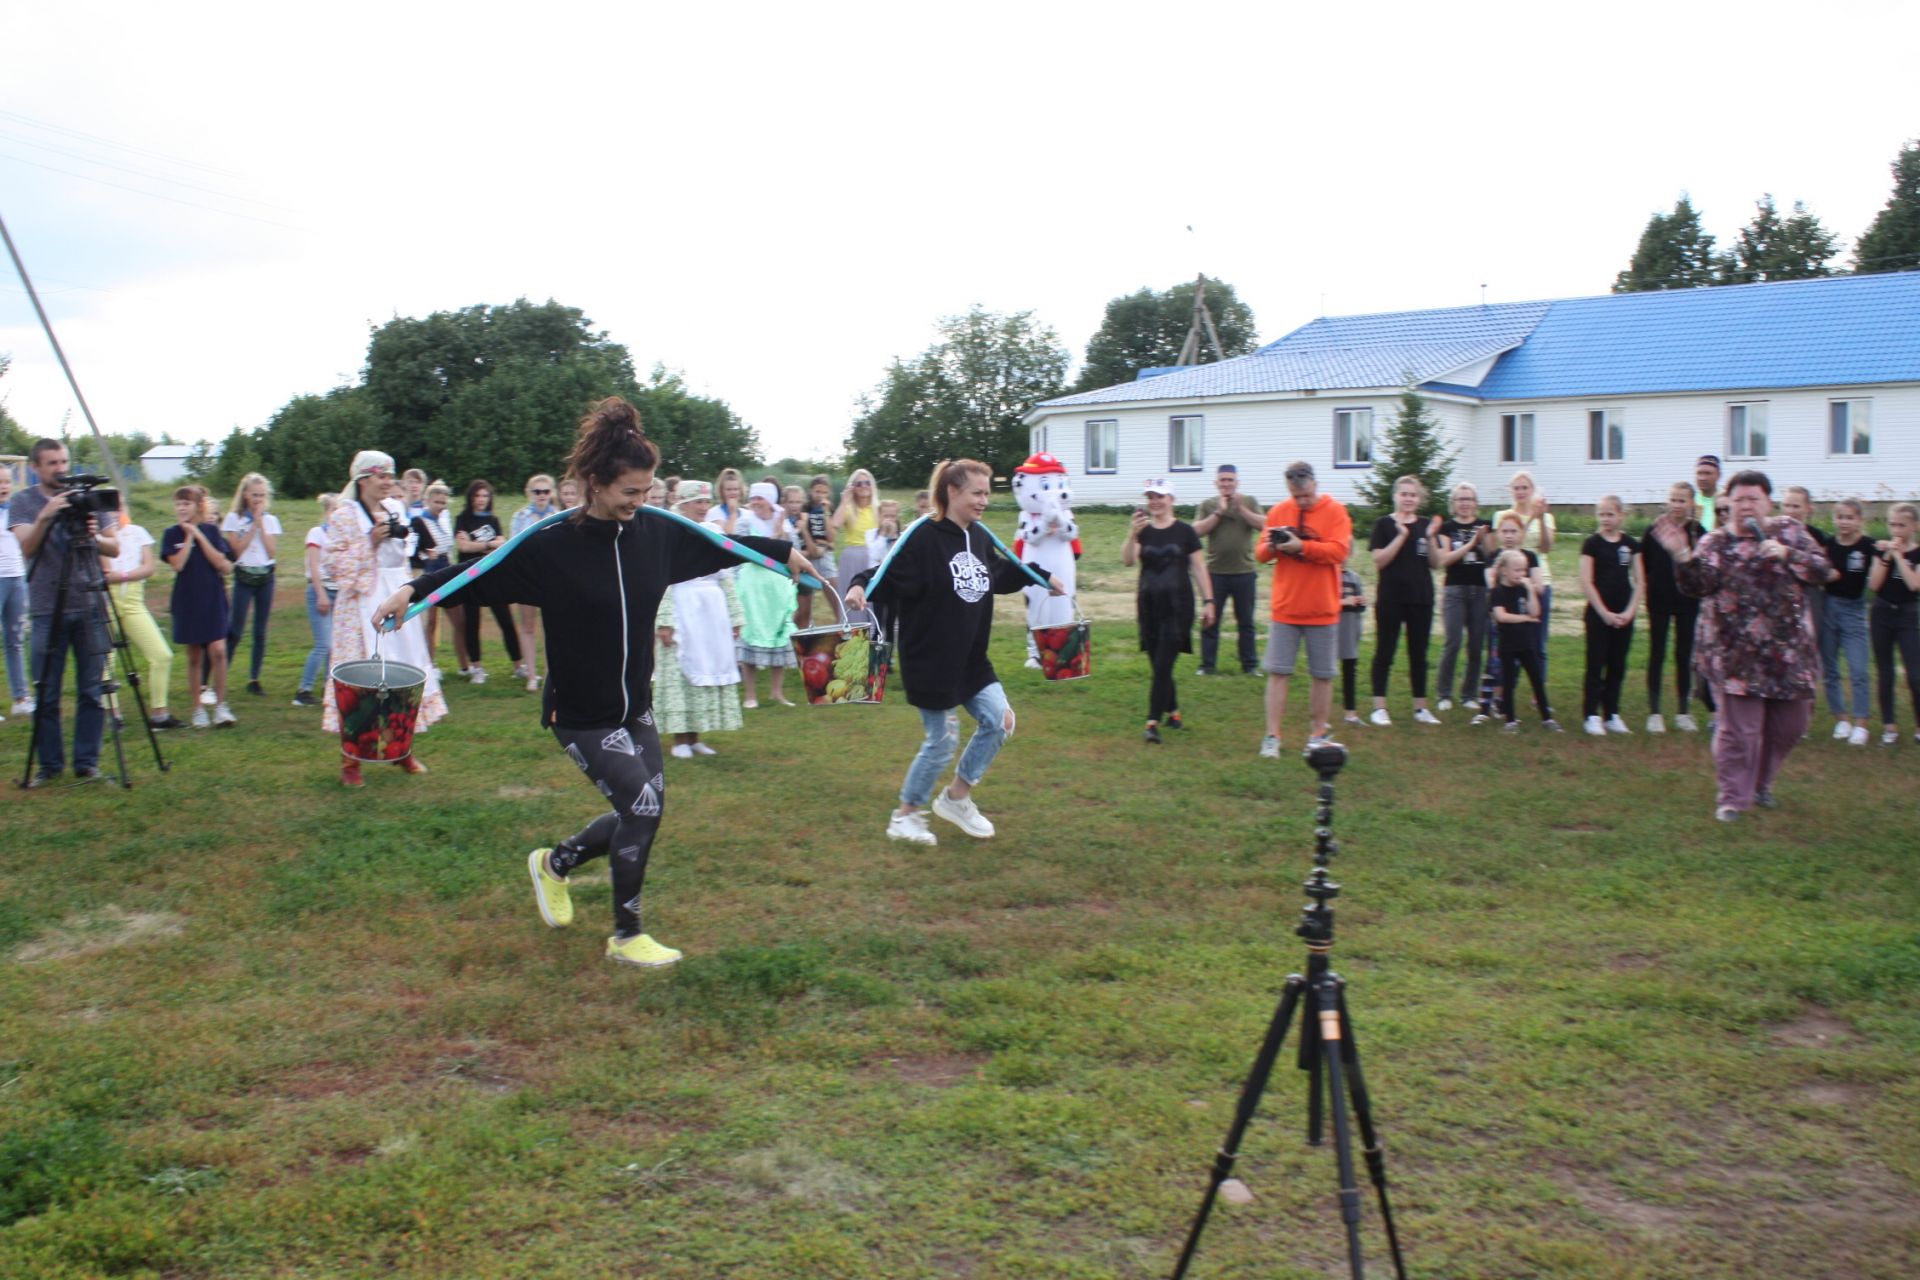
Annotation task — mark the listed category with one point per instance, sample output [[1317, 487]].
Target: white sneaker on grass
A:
[[223, 716], [963, 814], [476, 675], [682, 751], [1685, 724], [1424, 716], [1656, 723], [1842, 731], [911, 827], [1616, 725], [207, 698], [1595, 727], [23, 706], [702, 749], [1859, 737], [1446, 704], [1380, 717], [200, 719], [1269, 748]]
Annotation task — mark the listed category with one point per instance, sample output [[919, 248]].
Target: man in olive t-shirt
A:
[[1229, 523]]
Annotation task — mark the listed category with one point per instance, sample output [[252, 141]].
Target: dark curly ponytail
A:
[[611, 444]]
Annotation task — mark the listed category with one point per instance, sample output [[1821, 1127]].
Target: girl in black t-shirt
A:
[[476, 532], [1614, 581], [1515, 609], [1404, 599], [1171, 560], [1852, 555], [1668, 607], [1895, 621]]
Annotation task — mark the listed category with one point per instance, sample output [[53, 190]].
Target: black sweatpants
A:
[[1606, 664], [626, 765], [1242, 590], [1682, 617], [509, 632], [1891, 627], [1349, 676], [1389, 617], [1162, 698], [1511, 665]]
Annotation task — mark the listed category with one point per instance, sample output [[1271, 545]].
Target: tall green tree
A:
[[1674, 253], [310, 442], [13, 436], [697, 435], [1146, 328], [1892, 242], [1770, 247], [1410, 447], [962, 397]]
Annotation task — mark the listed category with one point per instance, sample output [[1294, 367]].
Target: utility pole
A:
[[1202, 323]]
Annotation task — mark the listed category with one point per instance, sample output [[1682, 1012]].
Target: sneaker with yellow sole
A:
[[549, 891], [641, 950]]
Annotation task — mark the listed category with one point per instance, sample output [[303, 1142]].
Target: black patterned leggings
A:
[[626, 765]]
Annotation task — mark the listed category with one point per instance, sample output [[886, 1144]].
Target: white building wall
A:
[[1664, 434]]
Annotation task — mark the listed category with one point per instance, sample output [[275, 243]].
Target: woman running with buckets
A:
[[939, 581]]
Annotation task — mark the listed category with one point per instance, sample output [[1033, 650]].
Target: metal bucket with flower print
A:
[[1066, 652], [379, 705], [846, 662]]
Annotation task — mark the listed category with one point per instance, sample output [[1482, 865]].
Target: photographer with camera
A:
[[1307, 540], [53, 519]]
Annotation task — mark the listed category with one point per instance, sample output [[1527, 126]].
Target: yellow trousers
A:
[[143, 633]]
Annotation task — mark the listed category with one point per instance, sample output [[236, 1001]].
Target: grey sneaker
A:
[[963, 814], [1269, 748], [1764, 798]]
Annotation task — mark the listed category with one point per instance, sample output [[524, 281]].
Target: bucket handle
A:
[[381, 658], [840, 607]]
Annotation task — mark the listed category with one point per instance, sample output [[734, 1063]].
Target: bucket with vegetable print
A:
[[847, 662], [379, 704], [1066, 653]]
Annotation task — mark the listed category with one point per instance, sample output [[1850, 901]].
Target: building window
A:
[[1747, 430], [1103, 445], [1186, 443], [1516, 437], [1037, 440], [1849, 428], [1353, 437], [1606, 436]]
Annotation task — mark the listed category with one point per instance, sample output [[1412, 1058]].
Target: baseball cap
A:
[[1227, 468], [1299, 471], [1711, 459], [1158, 484]]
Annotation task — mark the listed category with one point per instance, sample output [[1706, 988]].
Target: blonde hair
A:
[[873, 487], [1614, 498], [246, 482], [439, 487], [1506, 558], [536, 478], [1806, 494], [1522, 475], [793, 491], [1906, 509], [328, 501], [1677, 485], [1469, 490], [951, 474], [1419, 485], [720, 484]]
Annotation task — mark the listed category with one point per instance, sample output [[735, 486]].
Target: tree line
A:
[[1676, 252]]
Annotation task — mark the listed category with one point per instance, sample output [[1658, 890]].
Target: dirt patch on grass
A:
[[520, 791], [1835, 1093], [1578, 828], [480, 1064], [796, 1173], [935, 1070], [103, 930], [1628, 961], [1817, 1028]]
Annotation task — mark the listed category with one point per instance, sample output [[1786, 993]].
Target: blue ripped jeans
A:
[[990, 711]]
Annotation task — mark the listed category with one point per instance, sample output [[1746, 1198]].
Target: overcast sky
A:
[[218, 201]]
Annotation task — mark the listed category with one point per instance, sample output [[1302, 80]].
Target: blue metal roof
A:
[[1832, 332]]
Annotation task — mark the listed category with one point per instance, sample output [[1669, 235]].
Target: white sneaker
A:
[[23, 707], [206, 698], [1859, 736], [911, 827], [223, 716], [702, 749], [682, 751], [1481, 719], [1033, 664], [1446, 704], [1424, 716], [1594, 727], [1616, 725], [1685, 724], [1890, 737], [477, 675], [533, 684], [1380, 717], [200, 720], [1656, 723], [1842, 731], [963, 814], [1269, 748]]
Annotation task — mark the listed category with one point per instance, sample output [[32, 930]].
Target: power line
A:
[[156, 195], [17, 118], [142, 173]]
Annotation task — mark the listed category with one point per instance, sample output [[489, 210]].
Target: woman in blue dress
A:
[[201, 559]]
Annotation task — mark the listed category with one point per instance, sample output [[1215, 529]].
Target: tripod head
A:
[[1316, 919]]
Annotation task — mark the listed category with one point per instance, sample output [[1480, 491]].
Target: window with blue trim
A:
[[1103, 445], [1186, 443], [1353, 437], [1849, 428], [1606, 436]]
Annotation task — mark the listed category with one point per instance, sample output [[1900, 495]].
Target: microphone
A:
[[1753, 527]]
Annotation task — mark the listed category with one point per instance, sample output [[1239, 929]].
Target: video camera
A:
[[1279, 535], [84, 496]]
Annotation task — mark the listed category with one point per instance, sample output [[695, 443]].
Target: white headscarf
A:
[[367, 462]]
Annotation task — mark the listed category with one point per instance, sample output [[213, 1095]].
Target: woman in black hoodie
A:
[[940, 582], [597, 579]]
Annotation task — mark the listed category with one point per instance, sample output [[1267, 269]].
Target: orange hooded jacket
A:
[[1306, 587]]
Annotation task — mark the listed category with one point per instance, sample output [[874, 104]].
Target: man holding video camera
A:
[[1306, 540], [47, 529]]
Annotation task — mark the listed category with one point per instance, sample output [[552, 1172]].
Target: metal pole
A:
[[106, 454]]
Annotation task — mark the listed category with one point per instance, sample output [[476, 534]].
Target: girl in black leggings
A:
[[597, 579], [1171, 561], [1612, 580], [1405, 596], [1670, 609], [1894, 623]]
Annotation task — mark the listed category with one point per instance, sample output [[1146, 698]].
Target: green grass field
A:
[[254, 1025]]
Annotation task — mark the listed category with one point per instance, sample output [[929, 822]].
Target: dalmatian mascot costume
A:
[[1048, 538]]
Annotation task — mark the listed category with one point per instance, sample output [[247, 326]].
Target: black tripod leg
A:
[[1311, 1059], [1327, 998], [1369, 1137], [1249, 1103]]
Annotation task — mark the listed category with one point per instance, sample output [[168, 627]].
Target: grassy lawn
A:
[[254, 1025]]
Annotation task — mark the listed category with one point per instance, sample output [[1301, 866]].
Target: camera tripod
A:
[[102, 623], [1328, 1053]]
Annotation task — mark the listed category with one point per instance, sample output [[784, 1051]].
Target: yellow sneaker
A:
[[549, 891], [641, 950]]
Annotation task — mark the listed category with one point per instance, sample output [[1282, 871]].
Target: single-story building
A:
[[166, 462], [1816, 382]]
